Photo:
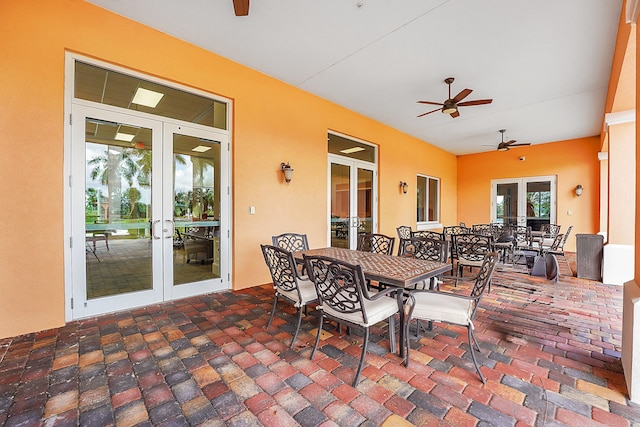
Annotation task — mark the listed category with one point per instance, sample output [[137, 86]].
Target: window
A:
[[428, 199]]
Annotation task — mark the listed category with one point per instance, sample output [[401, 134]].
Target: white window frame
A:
[[425, 225]]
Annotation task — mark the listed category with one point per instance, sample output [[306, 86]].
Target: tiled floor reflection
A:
[[126, 267]]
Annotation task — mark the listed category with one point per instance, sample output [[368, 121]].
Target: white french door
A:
[[529, 201], [353, 195], [143, 191]]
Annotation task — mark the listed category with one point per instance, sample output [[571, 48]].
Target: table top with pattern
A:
[[389, 269]]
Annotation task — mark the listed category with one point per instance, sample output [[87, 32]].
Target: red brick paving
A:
[[550, 353]]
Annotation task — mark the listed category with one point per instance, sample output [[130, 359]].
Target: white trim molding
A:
[[620, 117]]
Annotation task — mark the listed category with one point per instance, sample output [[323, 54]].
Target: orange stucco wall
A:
[[573, 162], [272, 122]]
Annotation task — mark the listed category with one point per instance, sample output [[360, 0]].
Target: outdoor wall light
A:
[[404, 186], [579, 190], [287, 171]]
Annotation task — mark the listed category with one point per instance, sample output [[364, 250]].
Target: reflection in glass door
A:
[[114, 195], [146, 205], [524, 201], [195, 209], [352, 193]]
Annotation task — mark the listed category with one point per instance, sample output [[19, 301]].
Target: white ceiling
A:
[[545, 63]]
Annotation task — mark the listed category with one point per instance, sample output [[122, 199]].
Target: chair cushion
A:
[[441, 307], [470, 263], [377, 311], [307, 292]]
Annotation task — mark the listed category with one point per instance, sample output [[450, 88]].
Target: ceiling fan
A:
[[450, 105], [505, 146], [241, 7]]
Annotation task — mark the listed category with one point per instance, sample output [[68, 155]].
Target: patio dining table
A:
[[399, 272]]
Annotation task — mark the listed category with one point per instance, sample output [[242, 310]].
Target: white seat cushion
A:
[[307, 291], [469, 263], [377, 311], [441, 307]]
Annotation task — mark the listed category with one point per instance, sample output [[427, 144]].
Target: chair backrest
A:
[[557, 241], [291, 242], [551, 229], [339, 285], [453, 230], [427, 234], [282, 267], [426, 249], [473, 247], [376, 243], [483, 278], [485, 229], [564, 238], [521, 233], [404, 232]]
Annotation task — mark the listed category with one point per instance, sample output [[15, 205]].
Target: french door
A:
[[149, 210], [353, 194], [527, 201]]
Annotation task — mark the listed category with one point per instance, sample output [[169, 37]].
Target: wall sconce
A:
[[404, 186], [287, 171], [579, 190]]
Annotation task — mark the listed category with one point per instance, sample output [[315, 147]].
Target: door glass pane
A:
[[365, 202], [340, 198], [196, 209], [507, 203], [538, 204], [117, 208]]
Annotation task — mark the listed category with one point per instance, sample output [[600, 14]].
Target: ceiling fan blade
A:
[[522, 144], [429, 112], [462, 95], [241, 7], [513, 141], [475, 102], [430, 103], [455, 114]]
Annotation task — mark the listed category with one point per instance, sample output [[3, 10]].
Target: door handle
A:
[[153, 229], [168, 235]]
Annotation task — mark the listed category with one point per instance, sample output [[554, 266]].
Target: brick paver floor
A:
[[551, 356]]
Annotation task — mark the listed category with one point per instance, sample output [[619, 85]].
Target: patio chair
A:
[[291, 242], [343, 298], [523, 246], [443, 307], [287, 283], [471, 250], [427, 249], [404, 232], [376, 243], [549, 233], [559, 251], [195, 242], [449, 233]]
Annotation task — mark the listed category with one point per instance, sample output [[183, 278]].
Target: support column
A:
[[618, 266]]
